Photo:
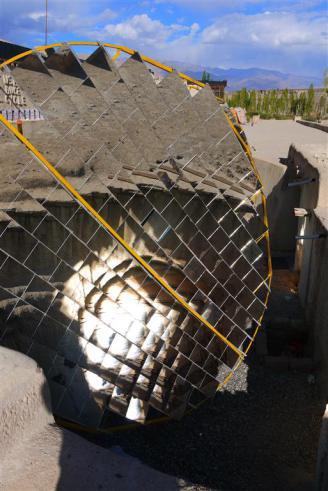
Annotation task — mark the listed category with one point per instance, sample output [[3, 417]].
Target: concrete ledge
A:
[[37, 455], [313, 124], [24, 400]]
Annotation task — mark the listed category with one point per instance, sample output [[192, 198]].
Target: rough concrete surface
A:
[[323, 126], [256, 434], [270, 139], [53, 250], [280, 202], [36, 455], [259, 434]]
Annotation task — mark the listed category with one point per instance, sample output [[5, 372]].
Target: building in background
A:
[[218, 87]]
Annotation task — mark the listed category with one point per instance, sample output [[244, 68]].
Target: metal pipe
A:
[[46, 24], [301, 182], [311, 237]]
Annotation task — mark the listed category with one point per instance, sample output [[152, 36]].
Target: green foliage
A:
[[309, 105], [206, 77], [322, 106], [325, 79], [301, 104], [280, 104]]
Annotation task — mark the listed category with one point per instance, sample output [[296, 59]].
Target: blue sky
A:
[[286, 35]]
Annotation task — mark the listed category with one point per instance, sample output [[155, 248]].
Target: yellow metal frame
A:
[[75, 194], [79, 198], [119, 51]]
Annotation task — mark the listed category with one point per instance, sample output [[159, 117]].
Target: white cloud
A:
[[139, 27], [21, 19], [146, 31], [286, 40], [270, 29], [36, 15], [214, 5]]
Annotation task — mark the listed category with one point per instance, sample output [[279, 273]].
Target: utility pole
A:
[[46, 25]]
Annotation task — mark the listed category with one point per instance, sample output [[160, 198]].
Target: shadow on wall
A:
[[234, 440], [66, 309], [281, 201]]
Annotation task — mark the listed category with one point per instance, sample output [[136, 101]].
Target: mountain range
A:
[[251, 78]]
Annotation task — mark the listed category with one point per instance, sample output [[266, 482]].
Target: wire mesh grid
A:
[[110, 338]]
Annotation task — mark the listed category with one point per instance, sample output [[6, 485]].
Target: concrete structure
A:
[[311, 161], [305, 163], [319, 126], [13, 104], [37, 455], [311, 258], [218, 87], [270, 141]]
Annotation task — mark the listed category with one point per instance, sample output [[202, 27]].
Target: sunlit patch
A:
[[154, 317]]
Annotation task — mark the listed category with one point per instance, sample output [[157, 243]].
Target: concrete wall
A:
[[312, 124], [312, 255], [81, 292], [311, 260], [281, 201]]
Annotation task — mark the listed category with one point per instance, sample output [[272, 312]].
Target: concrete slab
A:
[[271, 139], [37, 455]]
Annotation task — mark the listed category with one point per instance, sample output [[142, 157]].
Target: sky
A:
[[286, 35]]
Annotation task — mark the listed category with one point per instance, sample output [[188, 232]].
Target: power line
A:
[[46, 25]]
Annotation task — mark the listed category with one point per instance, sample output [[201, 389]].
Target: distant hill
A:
[[251, 78]]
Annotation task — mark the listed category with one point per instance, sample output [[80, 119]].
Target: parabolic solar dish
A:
[[134, 269]]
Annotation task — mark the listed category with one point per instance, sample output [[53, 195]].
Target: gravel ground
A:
[[260, 433]]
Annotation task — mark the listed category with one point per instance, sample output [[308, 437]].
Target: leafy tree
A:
[[273, 105], [206, 77], [244, 98], [293, 102], [322, 106], [309, 106], [252, 103], [259, 102], [266, 102], [278, 103], [302, 102], [325, 79], [285, 106]]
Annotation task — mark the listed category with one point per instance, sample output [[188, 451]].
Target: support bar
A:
[[301, 182], [102, 222], [311, 237]]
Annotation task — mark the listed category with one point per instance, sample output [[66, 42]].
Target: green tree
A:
[[322, 106], [244, 98], [234, 99], [206, 77], [302, 101], [309, 106], [273, 102], [325, 79], [293, 102], [252, 101], [259, 102], [285, 102], [266, 103]]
